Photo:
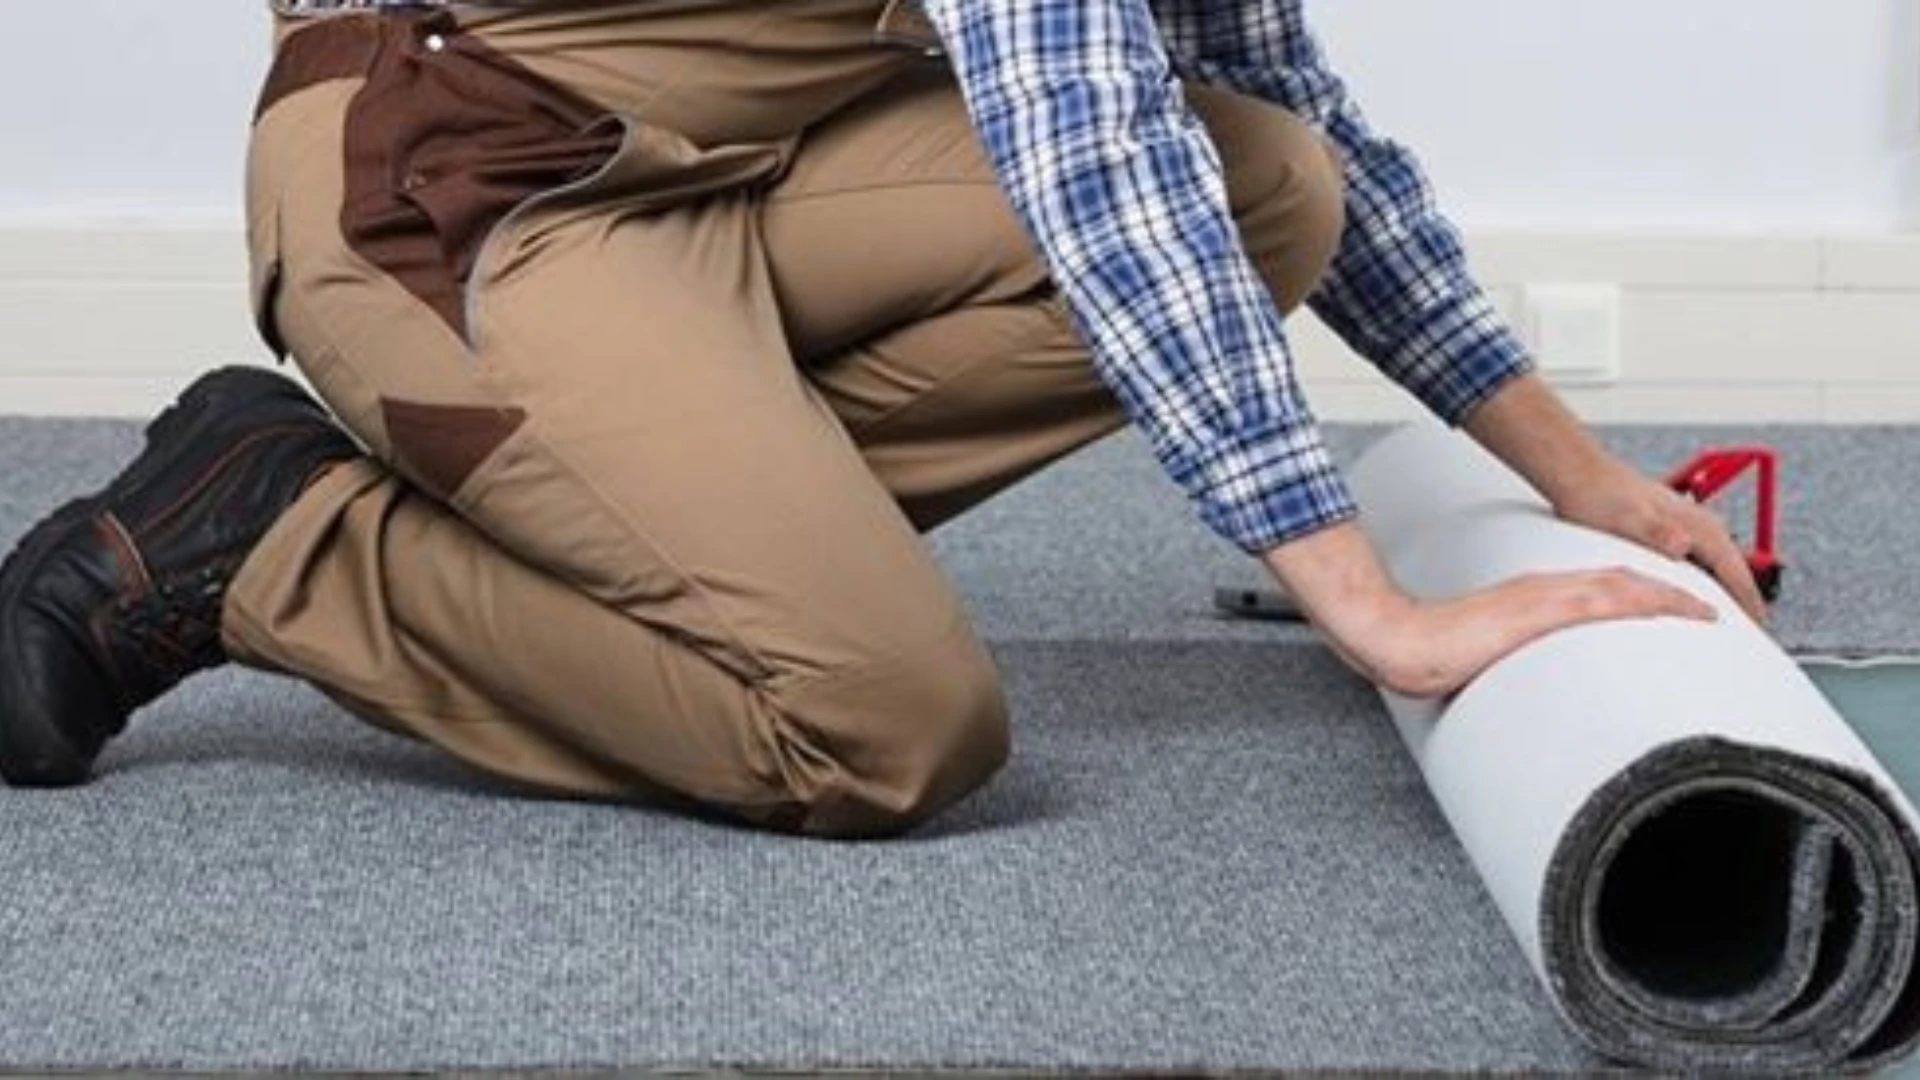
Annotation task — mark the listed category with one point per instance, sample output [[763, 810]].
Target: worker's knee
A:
[[875, 752], [1285, 185]]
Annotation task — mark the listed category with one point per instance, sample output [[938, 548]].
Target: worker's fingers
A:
[[1673, 537], [1713, 548]]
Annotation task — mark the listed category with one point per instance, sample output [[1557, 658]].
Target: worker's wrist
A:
[[1339, 584], [1525, 425]]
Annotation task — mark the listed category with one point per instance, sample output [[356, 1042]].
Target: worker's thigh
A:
[[922, 310]]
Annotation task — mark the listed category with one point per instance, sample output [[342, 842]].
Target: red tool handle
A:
[[1712, 470]]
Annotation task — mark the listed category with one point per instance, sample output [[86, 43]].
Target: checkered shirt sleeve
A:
[[1399, 290], [1078, 105]]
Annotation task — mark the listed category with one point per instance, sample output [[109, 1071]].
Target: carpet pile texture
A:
[[1210, 851]]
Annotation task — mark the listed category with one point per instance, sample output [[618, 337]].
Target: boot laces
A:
[[174, 627]]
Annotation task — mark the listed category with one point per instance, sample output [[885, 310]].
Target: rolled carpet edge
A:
[[1704, 865], [1710, 870]]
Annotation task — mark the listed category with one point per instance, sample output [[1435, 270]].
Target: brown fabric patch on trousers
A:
[[444, 444], [330, 49], [447, 136]]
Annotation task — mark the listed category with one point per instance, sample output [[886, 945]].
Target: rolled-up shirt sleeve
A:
[[1399, 290], [1080, 110]]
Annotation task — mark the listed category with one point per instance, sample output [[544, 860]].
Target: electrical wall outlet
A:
[[1574, 332]]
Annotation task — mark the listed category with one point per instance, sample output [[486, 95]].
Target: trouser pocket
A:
[[445, 139]]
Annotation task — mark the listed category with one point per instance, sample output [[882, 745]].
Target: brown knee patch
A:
[[444, 444], [445, 138]]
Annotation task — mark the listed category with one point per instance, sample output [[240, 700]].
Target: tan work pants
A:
[[669, 327]]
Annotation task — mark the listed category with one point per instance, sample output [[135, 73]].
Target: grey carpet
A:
[[1209, 852], [1101, 547], [1193, 862]]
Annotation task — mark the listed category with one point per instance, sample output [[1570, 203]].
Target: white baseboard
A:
[[110, 321]]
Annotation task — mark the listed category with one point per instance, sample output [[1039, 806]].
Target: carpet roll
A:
[[1703, 863]]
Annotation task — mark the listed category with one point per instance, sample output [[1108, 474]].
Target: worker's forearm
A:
[[1525, 425]]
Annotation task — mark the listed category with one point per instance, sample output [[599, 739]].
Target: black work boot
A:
[[116, 597]]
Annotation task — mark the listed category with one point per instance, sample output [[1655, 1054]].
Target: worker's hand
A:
[[1617, 499], [1430, 649], [1527, 426]]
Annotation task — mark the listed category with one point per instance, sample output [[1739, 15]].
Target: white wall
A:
[[127, 110], [1744, 170], [1569, 115], [1721, 115]]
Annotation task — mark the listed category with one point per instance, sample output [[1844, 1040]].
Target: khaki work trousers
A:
[[669, 326]]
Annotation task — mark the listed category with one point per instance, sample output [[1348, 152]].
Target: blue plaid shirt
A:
[[1077, 105]]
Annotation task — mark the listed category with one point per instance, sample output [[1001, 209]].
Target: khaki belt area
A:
[[901, 23]]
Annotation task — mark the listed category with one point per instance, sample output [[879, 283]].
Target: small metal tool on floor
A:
[[1707, 474], [1261, 603]]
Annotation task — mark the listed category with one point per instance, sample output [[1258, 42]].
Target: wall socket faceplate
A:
[[1573, 332]]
